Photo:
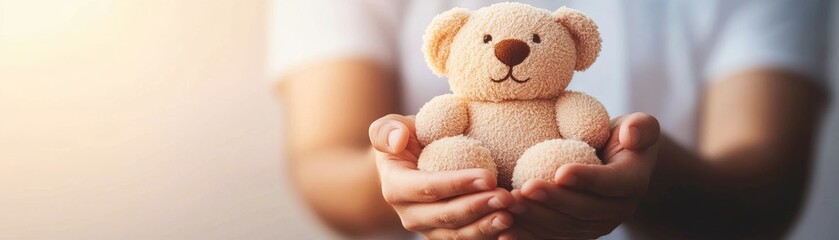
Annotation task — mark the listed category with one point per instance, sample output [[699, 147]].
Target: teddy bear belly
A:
[[508, 128]]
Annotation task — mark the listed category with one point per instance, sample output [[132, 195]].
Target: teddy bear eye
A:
[[487, 38], [536, 38]]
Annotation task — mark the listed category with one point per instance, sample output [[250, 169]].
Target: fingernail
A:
[[495, 203], [480, 184], [634, 136], [518, 208], [393, 138], [498, 225], [539, 195]]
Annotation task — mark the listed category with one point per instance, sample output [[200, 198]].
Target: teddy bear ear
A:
[[439, 35], [585, 34]]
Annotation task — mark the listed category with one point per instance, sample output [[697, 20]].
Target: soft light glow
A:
[[28, 19]]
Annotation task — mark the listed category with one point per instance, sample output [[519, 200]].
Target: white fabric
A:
[[657, 55], [313, 30]]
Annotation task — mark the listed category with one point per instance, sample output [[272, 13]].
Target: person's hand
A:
[[589, 201], [463, 204]]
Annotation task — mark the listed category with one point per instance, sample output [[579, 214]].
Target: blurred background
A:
[[155, 120]]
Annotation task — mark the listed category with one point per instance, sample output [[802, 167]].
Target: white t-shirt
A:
[[657, 57]]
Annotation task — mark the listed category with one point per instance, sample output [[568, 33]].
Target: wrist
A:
[[676, 167]]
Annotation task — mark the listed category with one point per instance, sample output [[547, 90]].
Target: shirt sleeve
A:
[[306, 31], [786, 34]]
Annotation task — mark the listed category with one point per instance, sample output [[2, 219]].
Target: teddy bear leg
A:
[[541, 161], [455, 153]]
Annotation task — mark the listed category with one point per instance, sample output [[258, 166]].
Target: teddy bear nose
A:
[[511, 51]]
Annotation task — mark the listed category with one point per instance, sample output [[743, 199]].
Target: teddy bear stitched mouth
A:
[[509, 76], [511, 52]]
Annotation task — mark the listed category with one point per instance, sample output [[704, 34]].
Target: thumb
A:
[[390, 134], [639, 131]]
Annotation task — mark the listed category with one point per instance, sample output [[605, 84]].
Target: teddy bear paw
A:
[[543, 159], [455, 153]]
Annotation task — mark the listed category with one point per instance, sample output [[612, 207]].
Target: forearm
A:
[[694, 197], [748, 173], [329, 107], [341, 186]]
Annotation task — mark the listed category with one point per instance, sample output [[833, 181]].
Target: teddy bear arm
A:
[[443, 116], [581, 117]]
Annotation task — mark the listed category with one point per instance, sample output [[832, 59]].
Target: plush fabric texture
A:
[[508, 128], [508, 66], [582, 118], [438, 39], [450, 153], [443, 116], [585, 34], [542, 160]]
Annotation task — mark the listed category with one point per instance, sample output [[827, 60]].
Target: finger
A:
[[624, 178], [403, 185], [488, 227], [613, 145], [580, 205], [537, 221], [548, 223], [638, 131], [390, 134], [456, 212], [518, 233], [518, 207], [387, 163]]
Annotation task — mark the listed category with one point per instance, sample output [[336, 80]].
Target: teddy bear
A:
[[508, 66]]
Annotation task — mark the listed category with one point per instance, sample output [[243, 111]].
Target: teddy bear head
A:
[[510, 51]]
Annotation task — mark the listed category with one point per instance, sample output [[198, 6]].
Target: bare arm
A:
[[749, 174], [328, 108]]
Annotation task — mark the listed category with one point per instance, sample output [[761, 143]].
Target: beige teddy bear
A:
[[508, 66]]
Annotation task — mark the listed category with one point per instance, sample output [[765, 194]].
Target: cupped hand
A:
[[589, 201], [462, 204]]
